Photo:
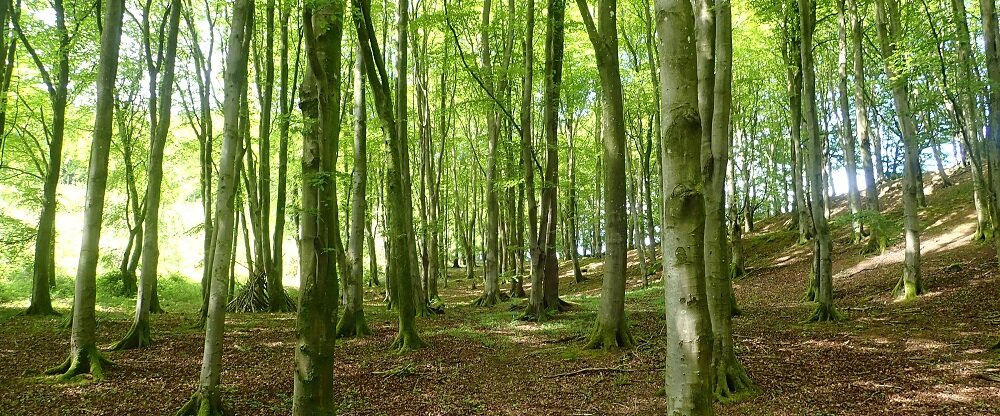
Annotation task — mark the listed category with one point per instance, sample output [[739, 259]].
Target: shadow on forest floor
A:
[[919, 357]]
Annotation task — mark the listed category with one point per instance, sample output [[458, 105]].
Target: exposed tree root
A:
[[353, 324], [67, 322], [610, 338], [38, 310], [737, 271], [731, 382], [137, 337], [900, 293], [407, 341], [533, 314], [199, 405], [88, 360], [824, 313], [984, 232], [810, 295], [560, 306], [490, 299], [875, 243], [425, 309]]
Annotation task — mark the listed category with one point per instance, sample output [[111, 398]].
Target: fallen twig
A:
[[597, 369], [989, 376]]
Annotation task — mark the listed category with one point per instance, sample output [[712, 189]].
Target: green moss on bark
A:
[[731, 382], [87, 360], [610, 338], [200, 405], [407, 341], [138, 336], [824, 313], [353, 324]]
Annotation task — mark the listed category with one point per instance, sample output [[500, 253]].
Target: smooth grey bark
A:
[[689, 334], [823, 242], [84, 356], [138, 335], [207, 400], [730, 380], [991, 36], [889, 32], [353, 322], [611, 329], [791, 55]]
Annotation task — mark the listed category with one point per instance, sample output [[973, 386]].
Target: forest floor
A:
[[928, 356]]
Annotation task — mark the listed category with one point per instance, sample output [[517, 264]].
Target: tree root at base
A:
[[731, 382], [610, 338], [199, 405], [37, 310], [407, 341], [353, 324], [901, 294], [137, 337], [88, 360], [823, 313], [490, 299]]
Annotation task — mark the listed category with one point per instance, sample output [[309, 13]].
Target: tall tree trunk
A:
[[689, 332], [889, 32], [393, 119], [791, 54], [991, 36], [138, 335], [823, 243], [848, 143], [611, 329], [207, 400], [536, 301], [729, 378], [84, 357], [554, 40], [275, 275], [353, 322]]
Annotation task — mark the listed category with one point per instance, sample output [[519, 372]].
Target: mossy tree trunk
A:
[[823, 244], [689, 332], [554, 42]]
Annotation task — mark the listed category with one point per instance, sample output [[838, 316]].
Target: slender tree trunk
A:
[[889, 31], [555, 33], [729, 379], [689, 332], [207, 400], [791, 52], [353, 322], [138, 335], [823, 244], [275, 287], [536, 301], [991, 36], [848, 142]]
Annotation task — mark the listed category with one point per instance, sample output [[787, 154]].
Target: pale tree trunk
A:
[[823, 242], [689, 332], [353, 322], [84, 357], [889, 31], [207, 400], [572, 218], [138, 335], [400, 212], [730, 378], [848, 143], [611, 329]]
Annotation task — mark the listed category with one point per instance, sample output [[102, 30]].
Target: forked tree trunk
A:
[[84, 357], [207, 400], [138, 335]]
